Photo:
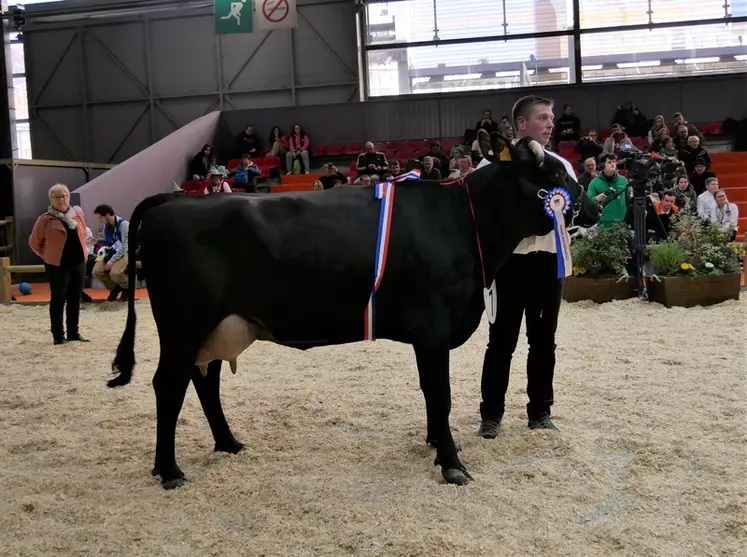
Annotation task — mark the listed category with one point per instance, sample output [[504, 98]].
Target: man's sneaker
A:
[[113, 294], [489, 429], [543, 422]]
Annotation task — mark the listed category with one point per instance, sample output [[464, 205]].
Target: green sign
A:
[[233, 16]]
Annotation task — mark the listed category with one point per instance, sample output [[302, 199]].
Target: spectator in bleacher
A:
[[487, 123], [59, 238], [679, 120], [589, 173], [394, 168], [111, 270], [298, 149], [660, 137], [632, 120], [440, 160], [216, 183], [245, 175], [700, 175], [248, 142], [611, 191], [658, 222], [202, 162], [680, 139], [707, 200], [464, 167], [568, 126], [332, 177], [430, 172], [459, 152], [364, 180], [588, 147], [686, 195], [612, 144], [693, 152], [668, 148], [278, 143], [371, 163], [317, 185], [658, 125], [726, 215]]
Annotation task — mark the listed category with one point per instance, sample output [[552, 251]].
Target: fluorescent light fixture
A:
[[711, 60], [740, 57], [648, 64], [457, 77], [515, 73], [592, 68], [557, 70]]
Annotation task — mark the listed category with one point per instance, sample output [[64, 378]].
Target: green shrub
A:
[[602, 253]]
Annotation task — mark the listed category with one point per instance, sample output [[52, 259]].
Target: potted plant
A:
[[599, 266], [696, 266]]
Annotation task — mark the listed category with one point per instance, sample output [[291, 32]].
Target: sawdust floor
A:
[[650, 459]]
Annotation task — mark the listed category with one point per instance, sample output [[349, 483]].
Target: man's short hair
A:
[[524, 106], [709, 181], [669, 193], [607, 157], [104, 210], [246, 156]]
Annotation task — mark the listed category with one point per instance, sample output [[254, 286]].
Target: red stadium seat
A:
[[353, 149], [336, 150], [238, 190], [193, 185], [230, 181], [378, 146], [395, 145], [318, 150], [638, 142], [233, 163], [714, 128], [273, 161]]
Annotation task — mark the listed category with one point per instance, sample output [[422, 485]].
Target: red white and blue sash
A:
[[384, 192]]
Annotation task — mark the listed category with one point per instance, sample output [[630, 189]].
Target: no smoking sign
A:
[[275, 11]]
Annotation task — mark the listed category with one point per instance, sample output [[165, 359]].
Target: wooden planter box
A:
[[599, 290], [693, 291]]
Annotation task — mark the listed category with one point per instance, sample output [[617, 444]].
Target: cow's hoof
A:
[[456, 476], [177, 473], [174, 484], [232, 447]]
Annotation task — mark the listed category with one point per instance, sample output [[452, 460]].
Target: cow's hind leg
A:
[[433, 369], [170, 385], [208, 390]]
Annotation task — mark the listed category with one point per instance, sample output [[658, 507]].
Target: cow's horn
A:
[[538, 151]]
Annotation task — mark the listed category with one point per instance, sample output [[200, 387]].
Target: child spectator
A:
[[216, 184], [245, 175]]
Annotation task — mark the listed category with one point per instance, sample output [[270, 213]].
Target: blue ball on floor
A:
[[24, 288]]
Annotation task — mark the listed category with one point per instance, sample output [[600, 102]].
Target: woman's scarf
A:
[[67, 218]]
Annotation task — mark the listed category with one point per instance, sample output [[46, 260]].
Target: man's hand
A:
[[109, 265], [601, 197]]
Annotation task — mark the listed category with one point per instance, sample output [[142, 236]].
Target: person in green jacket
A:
[[602, 188]]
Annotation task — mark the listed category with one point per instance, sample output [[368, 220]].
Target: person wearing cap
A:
[[678, 119], [699, 175], [216, 183]]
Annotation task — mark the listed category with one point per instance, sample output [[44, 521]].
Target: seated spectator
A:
[[679, 120], [707, 200], [317, 185], [394, 168], [686, 196], [589, 147], [364, 180], [459, 152], [668, 148], [630, 119], [726, 215], [278, 143], [658, 126], [658, 222], [332, 177], [568, 126], [111, 269], [701, 174], [216, 183], [248, 142], [464, 167], [660, 138], [680, 140], [487, 123], [692, 153], [430, 172], [371, 163], [202, 162], [245, 175], [611, 145], [611, 191], [440, 160], [298, 149], [589, 173]]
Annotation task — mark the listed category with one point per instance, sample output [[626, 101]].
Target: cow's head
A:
[[530, 174]]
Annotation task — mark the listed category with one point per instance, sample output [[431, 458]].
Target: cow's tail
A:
[[124, 361]]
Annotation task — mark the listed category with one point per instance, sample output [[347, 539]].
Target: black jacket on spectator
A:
[[489, 127], [698, 180], [434, 174], [568, 128], [635, 124], [584, 179], [588, 149], [688, 156], [658, 226], [201, 164], [245, 144], [376, 159], [440, 161], [683, 196], [328, 181]]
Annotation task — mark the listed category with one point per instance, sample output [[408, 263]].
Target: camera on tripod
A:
[[647, 172]]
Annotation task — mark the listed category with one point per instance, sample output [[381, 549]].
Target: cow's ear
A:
[[501, 147], [484, 141]]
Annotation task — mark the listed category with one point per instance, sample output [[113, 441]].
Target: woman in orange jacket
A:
[[59, 238]]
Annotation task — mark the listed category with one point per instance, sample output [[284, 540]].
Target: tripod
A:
[[639, 243]]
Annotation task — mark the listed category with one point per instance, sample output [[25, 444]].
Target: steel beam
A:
[[249, 59], [52, 132], [84, 92], [292, 62], [149, 74], [55, 67], [119, 63], [219, 65], [129, 133], [325, 43]]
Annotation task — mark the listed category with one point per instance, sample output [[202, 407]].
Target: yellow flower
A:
[[579, 270], [686, 267]]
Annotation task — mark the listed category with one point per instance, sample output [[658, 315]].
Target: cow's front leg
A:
[[208, 391], [170, 385], [433, 369]]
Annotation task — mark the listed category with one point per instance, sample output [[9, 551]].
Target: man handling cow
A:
[[527, 284]]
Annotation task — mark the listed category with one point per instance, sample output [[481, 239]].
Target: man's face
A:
[[394, 168], [590, 166], [693, 142], [487, 115], [568, 110], [678, 119], [464, 164], [682, 130], [713, 186], [610, 166], [428, 164], [592, 134], [249, 130], [538, 125], [330, 169], [667, 202], [369, 148], [699, 169], [366, 180]]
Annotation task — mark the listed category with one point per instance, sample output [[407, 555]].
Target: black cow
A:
[[297, 269]]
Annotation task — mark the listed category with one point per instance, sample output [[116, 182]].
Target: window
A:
[[21, 98], [664, 52], [468, 67], [16, 58], [615, 13]]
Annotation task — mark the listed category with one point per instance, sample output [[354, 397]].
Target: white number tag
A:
[[491, 302]]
